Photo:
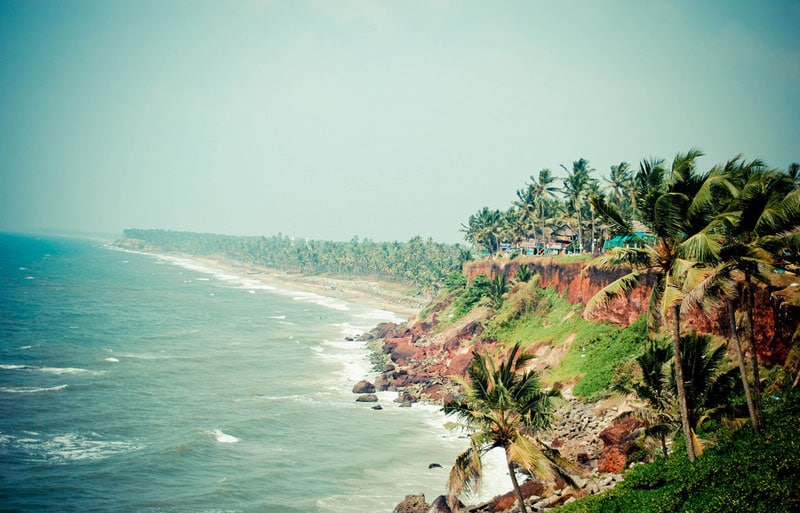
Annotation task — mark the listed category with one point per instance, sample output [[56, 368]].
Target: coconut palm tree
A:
[[504, 406], [765, 205], [677, 211], [654, 391], [619, 183], [483, 229], [575, 191]]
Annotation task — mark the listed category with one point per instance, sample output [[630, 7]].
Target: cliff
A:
[[776, 308]]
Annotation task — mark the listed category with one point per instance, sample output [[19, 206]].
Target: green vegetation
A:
[[422, 262], [533, 316], [740, 472]]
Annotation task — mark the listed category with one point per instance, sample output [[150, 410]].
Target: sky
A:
[[368, 118]]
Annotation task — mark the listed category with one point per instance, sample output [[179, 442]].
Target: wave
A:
[[380, 315], [111, 359], [224, 438], [327, 302], [31, 390], [69, 447], [51, 370]]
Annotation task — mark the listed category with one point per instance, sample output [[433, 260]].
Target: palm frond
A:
[[525, 453], [672, 296], [636, 258], [609, 213], [616, 288], [704, 246], [465, 476]]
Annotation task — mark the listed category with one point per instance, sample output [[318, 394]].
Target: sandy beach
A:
[[387, 296], [402, 300]]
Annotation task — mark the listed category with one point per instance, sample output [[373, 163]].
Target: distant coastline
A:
[[354, 290]]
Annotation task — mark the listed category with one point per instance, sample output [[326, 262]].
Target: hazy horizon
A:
[[376, 119]]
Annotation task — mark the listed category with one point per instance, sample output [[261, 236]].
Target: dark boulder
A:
[[364, 387], [367, 398]]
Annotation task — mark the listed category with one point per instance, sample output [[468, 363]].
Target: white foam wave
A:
[[51, 370], [352, 357], [30, 278], [31, 390], [224, 438], [327, 302], [279, 317], [68, 447], [348, 330], [111, 359], [380, 315]]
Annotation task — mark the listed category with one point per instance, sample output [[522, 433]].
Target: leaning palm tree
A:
[[765, 205], [504, 406], [677, 210]]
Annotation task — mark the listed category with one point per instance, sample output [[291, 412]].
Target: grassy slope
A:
[[593, 350]]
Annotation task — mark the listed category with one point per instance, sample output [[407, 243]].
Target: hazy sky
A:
[[382, 119]]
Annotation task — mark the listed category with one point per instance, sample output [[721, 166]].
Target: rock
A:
[[413, 504], [364, 387], [389, 367], [377, 407], [620, 442], [382, 383], [367, 398], [434, 465], [406, 398]]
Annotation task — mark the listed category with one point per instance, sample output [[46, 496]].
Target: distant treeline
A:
[[422, 262]]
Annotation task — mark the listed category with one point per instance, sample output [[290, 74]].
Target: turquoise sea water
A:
[[131, 382]]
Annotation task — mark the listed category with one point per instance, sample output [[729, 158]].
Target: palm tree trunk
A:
[[517, 489], [664, 444], [742, 370], [676, 346], [753, 352]]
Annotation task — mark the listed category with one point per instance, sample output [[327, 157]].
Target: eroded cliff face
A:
[[776, 318]]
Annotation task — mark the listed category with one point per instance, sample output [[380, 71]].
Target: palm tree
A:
[[764, 205], [654, 391], [575, 187], [534, 198], [497, 289], [677, 212], [503, 407], [619, 183], [483, 229]]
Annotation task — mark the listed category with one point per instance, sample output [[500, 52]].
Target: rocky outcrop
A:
[[620, 444], [413, 504]]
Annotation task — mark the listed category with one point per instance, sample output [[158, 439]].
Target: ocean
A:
[[137, 382]]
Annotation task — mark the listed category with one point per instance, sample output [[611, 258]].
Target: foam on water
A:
[[224, 438], [68, 447], [31, 390], [327, 302], [51, 370]]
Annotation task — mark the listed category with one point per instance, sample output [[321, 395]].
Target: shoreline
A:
[[363, 291], [356, 291]]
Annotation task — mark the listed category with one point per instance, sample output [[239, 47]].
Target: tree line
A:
[[550, 207], [425, 263]]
